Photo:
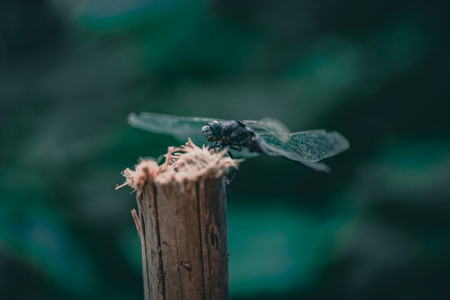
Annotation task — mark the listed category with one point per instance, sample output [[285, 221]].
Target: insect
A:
[[248, 138]]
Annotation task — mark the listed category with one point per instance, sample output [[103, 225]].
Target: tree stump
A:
[[182, 223]]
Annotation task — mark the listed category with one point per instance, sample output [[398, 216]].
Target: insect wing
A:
[[305, 146], [181, 128], [316, 166], [269, 125], [276, 127]]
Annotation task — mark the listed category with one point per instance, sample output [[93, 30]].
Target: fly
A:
[[249, 138]]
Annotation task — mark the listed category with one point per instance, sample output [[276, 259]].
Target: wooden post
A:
[[182, 224]]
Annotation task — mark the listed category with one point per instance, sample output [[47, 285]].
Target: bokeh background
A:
[[378, 227]]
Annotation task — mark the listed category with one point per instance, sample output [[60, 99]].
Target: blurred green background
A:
[[378, 227]]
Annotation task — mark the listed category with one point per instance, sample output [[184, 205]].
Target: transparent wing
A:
[[305, 146], [274, 126], [316, 166], [181, 128]]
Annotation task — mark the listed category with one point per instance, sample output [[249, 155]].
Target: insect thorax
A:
[[236, 133]]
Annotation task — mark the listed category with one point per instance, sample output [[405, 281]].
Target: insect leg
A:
[[233, 171], [216, 145], [230, 178], [236, 147]]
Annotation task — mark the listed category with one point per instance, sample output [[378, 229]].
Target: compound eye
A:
[[216, 128], [212, 131]]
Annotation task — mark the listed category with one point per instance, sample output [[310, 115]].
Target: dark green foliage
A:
[[377, 228]]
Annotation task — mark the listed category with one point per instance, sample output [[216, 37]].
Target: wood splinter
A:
[[182, 223]]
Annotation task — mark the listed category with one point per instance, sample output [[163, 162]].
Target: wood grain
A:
[[183, 232]]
